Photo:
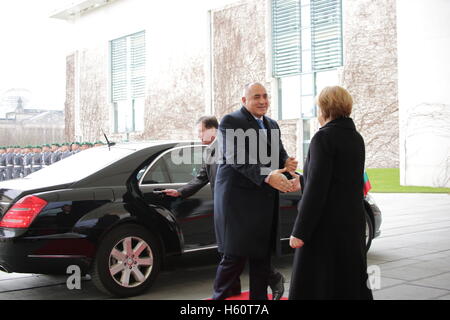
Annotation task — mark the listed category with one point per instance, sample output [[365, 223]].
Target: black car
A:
[[102, 210]]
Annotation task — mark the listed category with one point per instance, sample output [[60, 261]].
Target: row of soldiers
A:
[[18, 162]]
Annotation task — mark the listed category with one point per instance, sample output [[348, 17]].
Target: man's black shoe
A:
[[277, 288]]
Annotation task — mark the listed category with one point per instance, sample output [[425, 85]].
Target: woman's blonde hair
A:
[[335, 102]]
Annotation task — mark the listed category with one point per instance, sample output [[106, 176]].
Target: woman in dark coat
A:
[[329, 232]]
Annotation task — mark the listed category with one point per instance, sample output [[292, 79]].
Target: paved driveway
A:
[[412, 257]]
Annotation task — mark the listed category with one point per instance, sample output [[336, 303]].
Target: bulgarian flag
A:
[[367, 186]]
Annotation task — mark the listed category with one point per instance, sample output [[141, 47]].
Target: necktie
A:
[[260, 123]]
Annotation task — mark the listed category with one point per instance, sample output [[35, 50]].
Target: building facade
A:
[[144, 70], [424, 95], [22, 125]]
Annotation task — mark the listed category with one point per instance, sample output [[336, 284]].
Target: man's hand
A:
[[278, 180], [291, 164], [171, 193], [296, 242], [295, 182]]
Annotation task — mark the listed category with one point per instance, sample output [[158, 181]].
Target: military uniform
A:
[[75, 151], [18, 165], [36, 161], [56, 155], [46, 157], [27, 160], [9, 165], [2, 165], [67, 153]]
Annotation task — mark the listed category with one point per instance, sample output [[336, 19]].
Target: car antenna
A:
[[110, 144]]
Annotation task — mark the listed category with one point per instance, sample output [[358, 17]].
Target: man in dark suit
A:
[[246, 193], [207, 131]]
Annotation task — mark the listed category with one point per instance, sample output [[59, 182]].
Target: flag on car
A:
[[367, 185]]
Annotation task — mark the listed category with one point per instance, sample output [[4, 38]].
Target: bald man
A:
[[247, 190]]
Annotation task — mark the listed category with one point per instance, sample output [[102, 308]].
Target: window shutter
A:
[[137, 66], [119, 69], [326, 29], [286, 37]]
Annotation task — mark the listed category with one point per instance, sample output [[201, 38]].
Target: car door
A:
[[288, 212], [195, 215]]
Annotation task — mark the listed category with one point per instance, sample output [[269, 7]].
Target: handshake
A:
[[277, 180]]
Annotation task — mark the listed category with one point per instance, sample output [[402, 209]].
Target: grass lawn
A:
[[388, 181]]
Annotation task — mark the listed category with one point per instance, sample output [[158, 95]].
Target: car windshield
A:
[[80, 165]]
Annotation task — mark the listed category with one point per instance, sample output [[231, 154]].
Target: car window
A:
[[184, 163], [177, 166], [157, 173]]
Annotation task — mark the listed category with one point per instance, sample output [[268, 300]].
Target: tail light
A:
[[23, 212]]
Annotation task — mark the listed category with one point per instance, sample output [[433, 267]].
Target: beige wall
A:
[[370, 74]]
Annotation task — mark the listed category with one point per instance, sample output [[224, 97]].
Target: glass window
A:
[[128, 81], [157, 173], [184, 164], [325, 79], [308, 107], [124, 116], [307, 84], [290, 97]]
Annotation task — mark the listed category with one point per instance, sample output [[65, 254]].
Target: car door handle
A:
[[158, 191]]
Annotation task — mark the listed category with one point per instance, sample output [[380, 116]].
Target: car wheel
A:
[[369, 232], [127, 262]]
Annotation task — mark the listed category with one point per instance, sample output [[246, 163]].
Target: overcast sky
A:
[[33, 50]]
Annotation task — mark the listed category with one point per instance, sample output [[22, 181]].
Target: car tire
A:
[[369, 231], [127, 262]]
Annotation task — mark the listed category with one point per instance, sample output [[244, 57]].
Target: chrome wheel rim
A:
[[131, 262]]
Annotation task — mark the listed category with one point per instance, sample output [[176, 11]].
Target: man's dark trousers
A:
[[231, 267]]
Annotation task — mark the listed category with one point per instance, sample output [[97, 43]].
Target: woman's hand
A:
[[291, 164], [296, 242]]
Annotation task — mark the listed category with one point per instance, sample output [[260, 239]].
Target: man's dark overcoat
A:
[[246, 207]]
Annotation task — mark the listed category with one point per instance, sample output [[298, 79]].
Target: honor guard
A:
[[65, 152], [27, 160], [75, 147], [18, 163], [85, 145], [98, 144], [46, 155], [36, 162], [56, 154], [9, 162], [2, 163]]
